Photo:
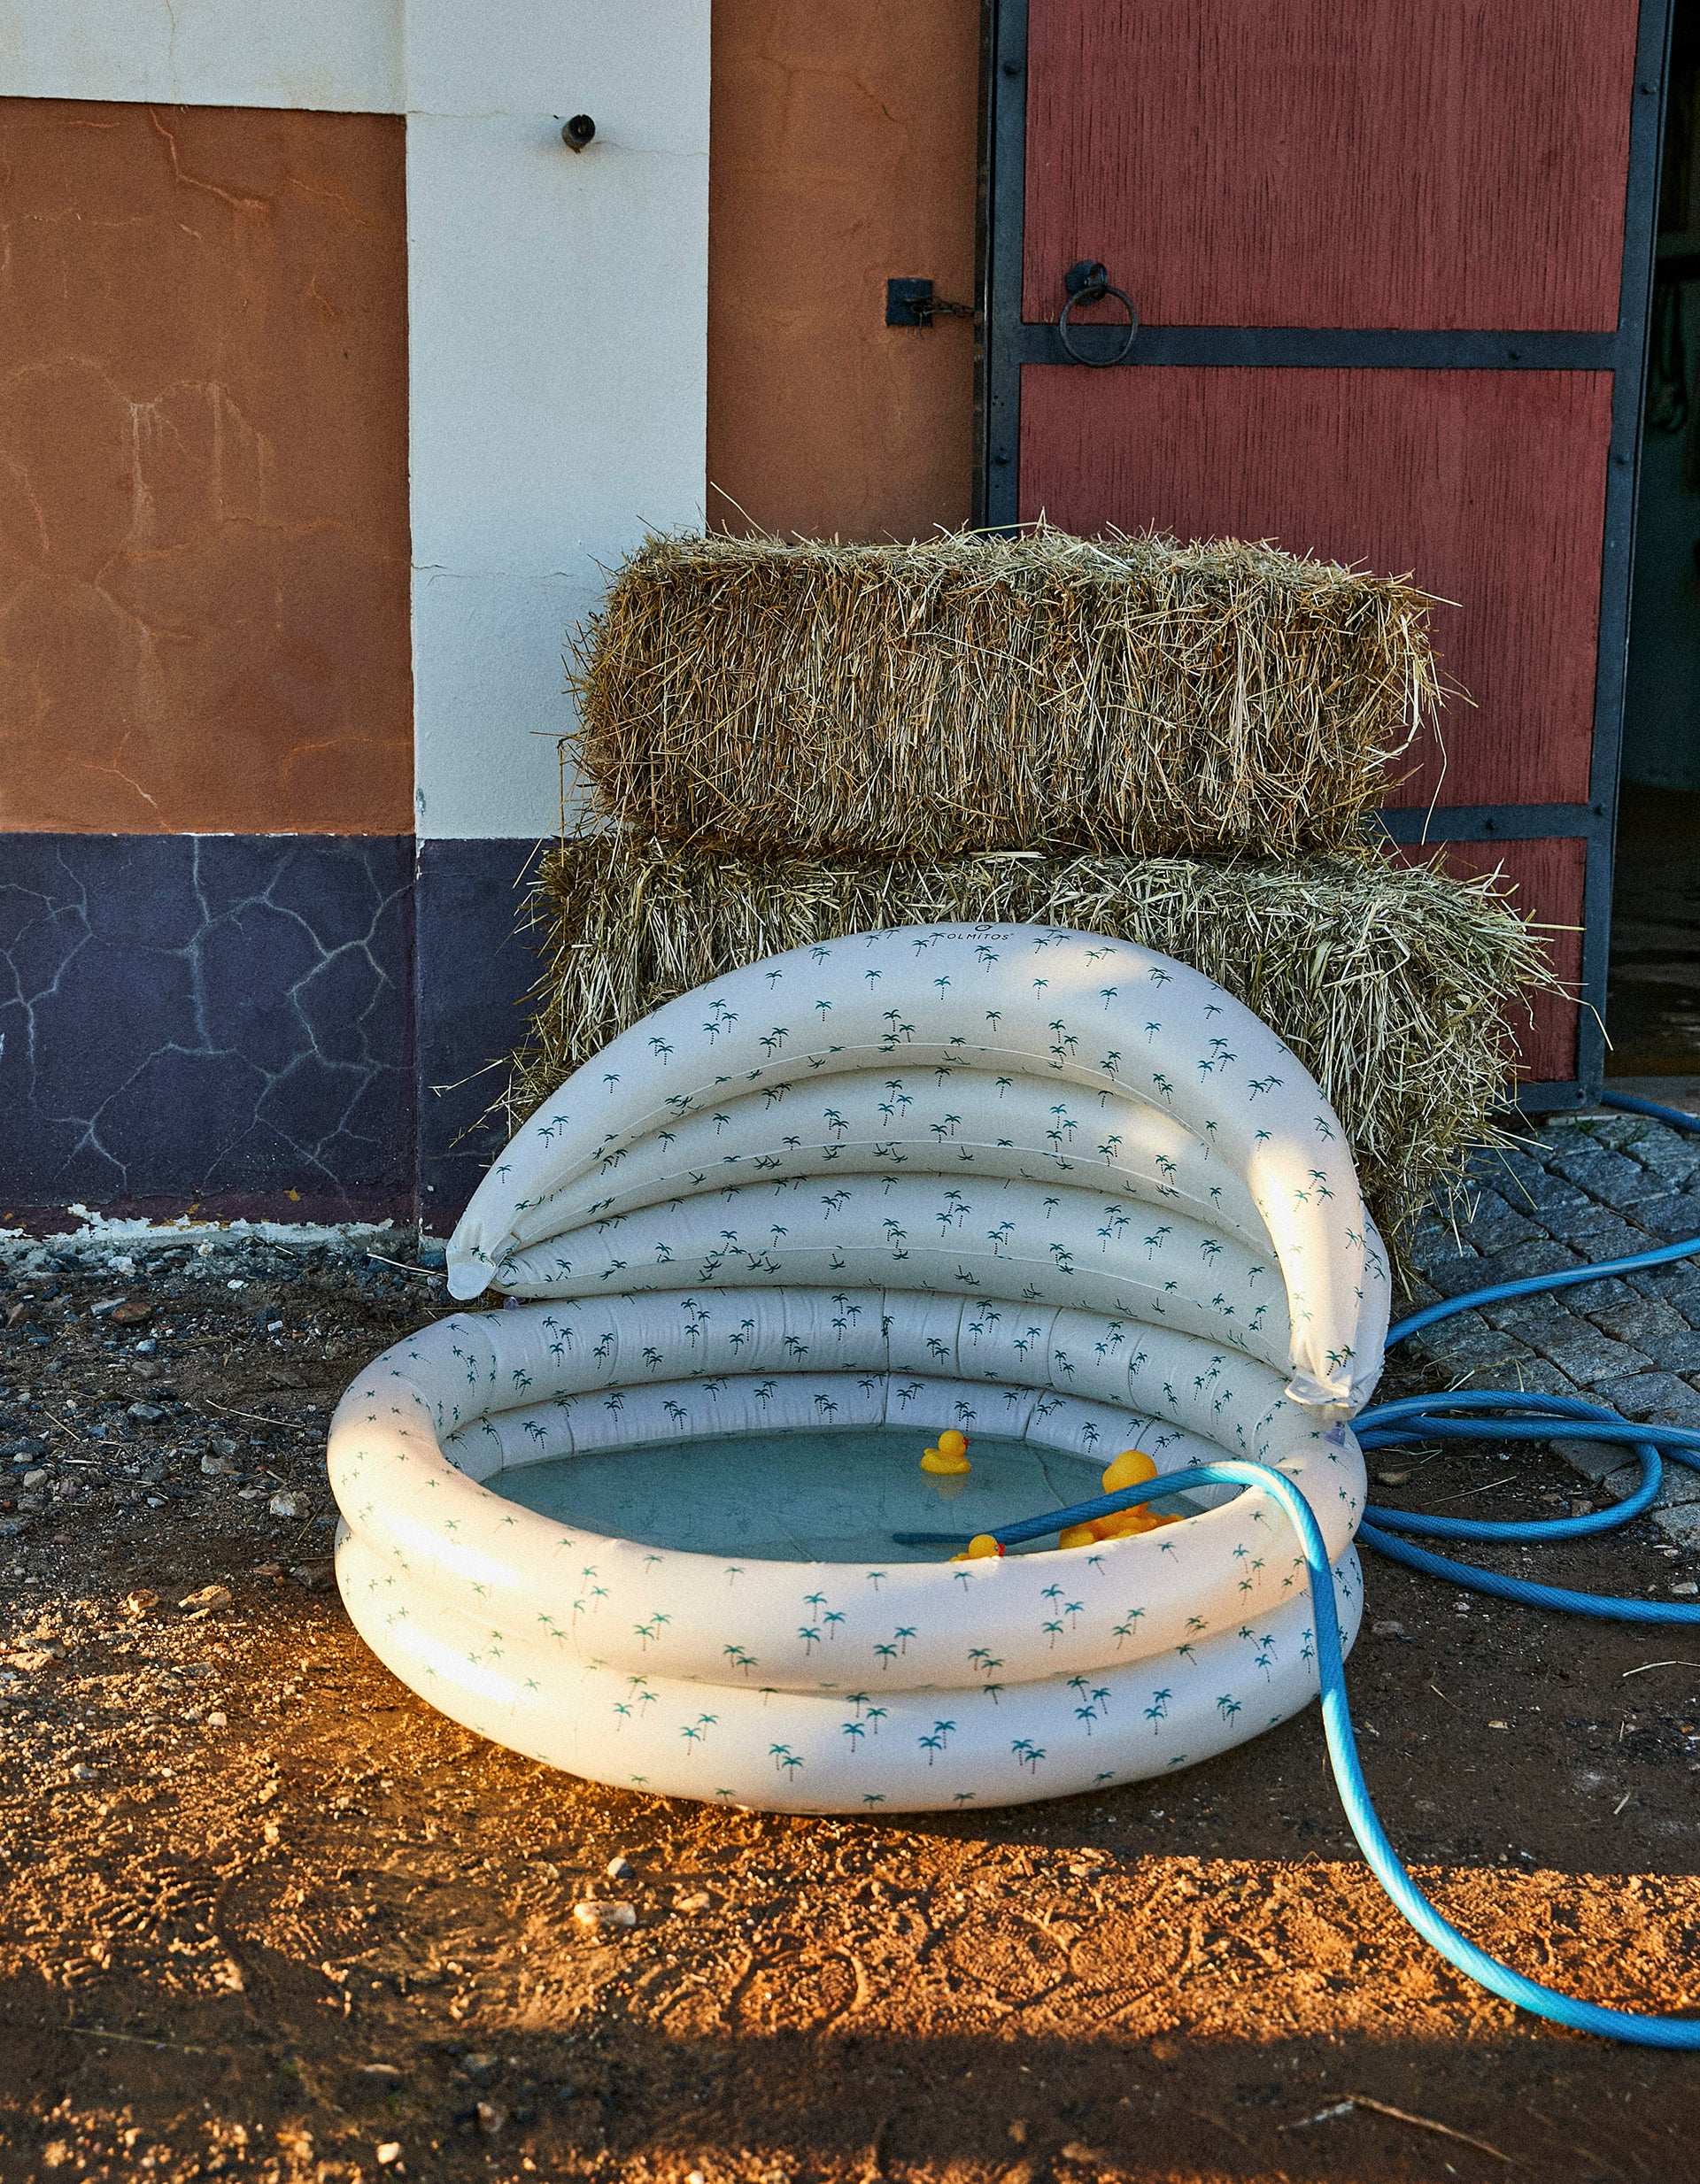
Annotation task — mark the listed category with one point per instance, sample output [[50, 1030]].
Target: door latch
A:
[[912, 303]]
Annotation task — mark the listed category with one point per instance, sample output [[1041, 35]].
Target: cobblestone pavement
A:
[[1578, 1191]]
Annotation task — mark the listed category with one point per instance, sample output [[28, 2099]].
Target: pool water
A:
[[799, 1496]]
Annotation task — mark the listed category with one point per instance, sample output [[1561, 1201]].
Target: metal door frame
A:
[[1006, 342]]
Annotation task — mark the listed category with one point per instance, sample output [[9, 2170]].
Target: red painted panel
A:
[[1488, 486], [1392, 163], [1549, 879]]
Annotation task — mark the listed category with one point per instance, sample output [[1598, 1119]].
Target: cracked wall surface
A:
[[229, 973], [203, 525], [206, 1019]]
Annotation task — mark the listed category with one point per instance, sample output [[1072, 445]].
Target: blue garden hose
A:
[[1476, 1415]]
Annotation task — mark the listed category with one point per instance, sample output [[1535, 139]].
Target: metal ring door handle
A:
[[1088, 282]]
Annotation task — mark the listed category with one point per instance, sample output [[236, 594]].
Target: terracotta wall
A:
[[204, 537], [843, 150]]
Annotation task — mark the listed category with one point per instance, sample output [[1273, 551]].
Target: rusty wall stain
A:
[[204, 537], [842, 150]]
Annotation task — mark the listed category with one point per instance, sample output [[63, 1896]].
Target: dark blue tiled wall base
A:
[[475, 967], [219, 1018], [298, 1027]]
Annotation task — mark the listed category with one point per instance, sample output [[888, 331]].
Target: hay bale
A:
[[1390, 981], [972, 693]]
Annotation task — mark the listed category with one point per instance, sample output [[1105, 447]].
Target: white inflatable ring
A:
[[1084, 1290]]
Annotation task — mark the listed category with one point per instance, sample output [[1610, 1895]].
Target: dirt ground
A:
[[263, 1914]]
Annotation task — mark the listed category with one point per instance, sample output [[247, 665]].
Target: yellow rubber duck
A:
[[1126, 1524], [1132, 1468], [979, 1547], [949, 1459]]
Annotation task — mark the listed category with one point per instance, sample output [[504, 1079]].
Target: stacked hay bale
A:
[[1178, 746]]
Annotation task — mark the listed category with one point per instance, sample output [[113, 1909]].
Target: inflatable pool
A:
[[660, 1521]]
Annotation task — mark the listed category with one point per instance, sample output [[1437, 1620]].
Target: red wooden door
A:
[[1392, 268]]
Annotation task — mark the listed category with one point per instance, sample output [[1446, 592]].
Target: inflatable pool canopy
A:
[[664, 1520]]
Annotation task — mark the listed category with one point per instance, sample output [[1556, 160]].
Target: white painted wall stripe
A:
[[558, 340], [337, 56]]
